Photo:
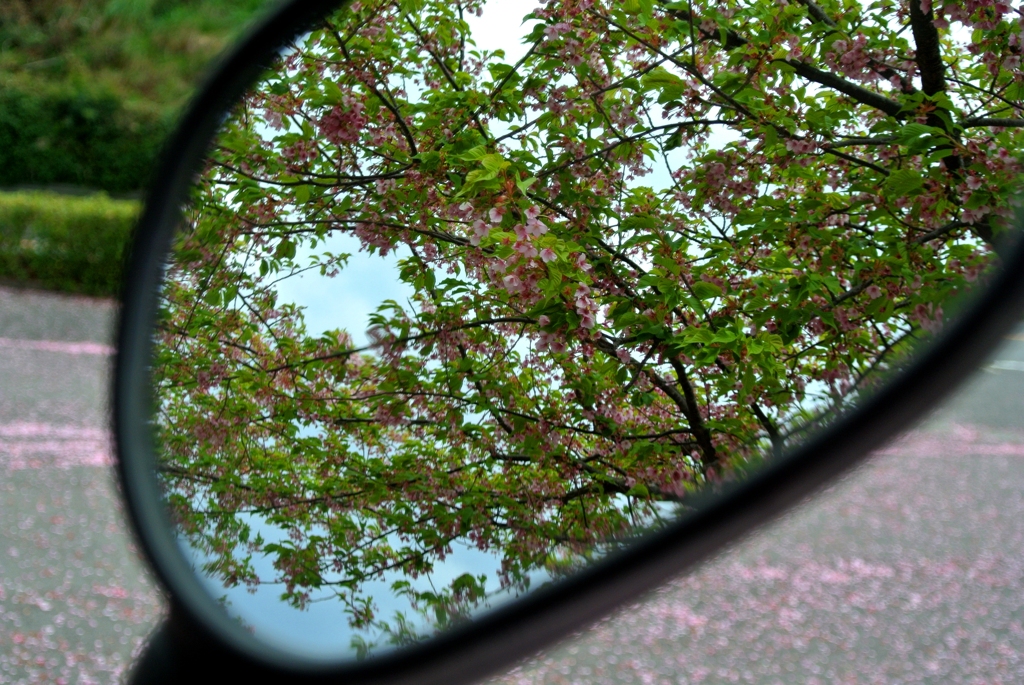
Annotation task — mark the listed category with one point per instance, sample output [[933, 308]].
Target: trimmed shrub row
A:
[[73, 244]]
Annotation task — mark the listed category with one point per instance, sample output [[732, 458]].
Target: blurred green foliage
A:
[[56, 137], [89, 89], [64, 242]]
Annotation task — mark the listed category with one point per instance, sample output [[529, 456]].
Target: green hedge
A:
[[76, 138], [61, 242]]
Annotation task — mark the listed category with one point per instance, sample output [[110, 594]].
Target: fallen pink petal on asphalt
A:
[[61, 347], [26, 445]]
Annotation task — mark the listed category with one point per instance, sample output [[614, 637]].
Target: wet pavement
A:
[[909, 571], [75, 601]]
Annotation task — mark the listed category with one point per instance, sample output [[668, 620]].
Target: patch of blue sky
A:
[[345, 301]]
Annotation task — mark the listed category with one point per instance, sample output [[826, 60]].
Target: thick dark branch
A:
[[611, 485], [692, 411], [817, 13], [992, 121], [769, 427], [861, 95], [938, 232], [928, 55], [856, 160], [847, 142], [852, 292]]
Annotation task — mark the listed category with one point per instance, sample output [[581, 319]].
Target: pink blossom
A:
[[548, 255], [532, 213], [496, 214], [544, 320], [843, 318], [526, 249], [623, 355], [512, 284], [588, 320], [873, 291], [342, 124], [548, 341], [535, 228], [973, 216], [801, 146], [555, 30], [929, 316], [480, 231]]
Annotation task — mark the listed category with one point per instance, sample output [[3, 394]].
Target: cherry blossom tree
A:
[[660, 247]]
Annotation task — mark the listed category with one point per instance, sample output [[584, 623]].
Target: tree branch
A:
[[992, 121], [928, 55], [817, 13], [700, 432], [858, 93]]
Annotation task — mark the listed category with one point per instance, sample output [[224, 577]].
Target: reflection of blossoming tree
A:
[[582, 349]]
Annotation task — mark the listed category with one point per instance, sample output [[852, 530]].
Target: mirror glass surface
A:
[[470, 295]]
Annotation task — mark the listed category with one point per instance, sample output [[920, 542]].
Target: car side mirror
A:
[[438, 345]]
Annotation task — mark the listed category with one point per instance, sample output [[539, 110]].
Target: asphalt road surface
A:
[[909, 571]]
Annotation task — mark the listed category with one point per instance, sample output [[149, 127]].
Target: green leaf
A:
[[903, 182], [705, 291], [428, 160], [661, 79], [494, 163], [524, 185], [639, 221], [480, 175], [724, 336], [473, 154], [978, 198], [698, 335], [639, 490], [285, 249]]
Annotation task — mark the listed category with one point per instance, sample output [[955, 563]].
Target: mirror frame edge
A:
[[199, 631]]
